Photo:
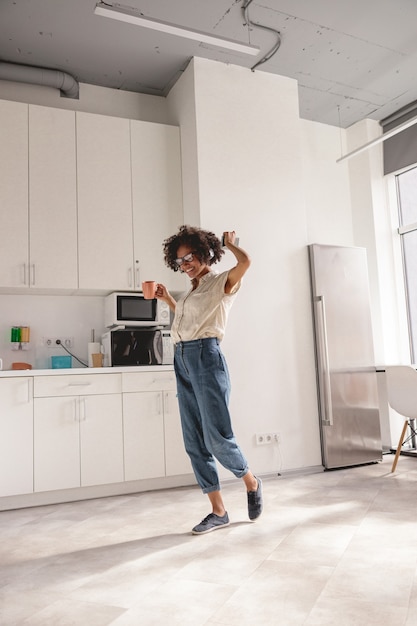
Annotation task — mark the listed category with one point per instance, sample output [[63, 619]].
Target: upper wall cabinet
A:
[[38, 210], [105, 239], [129, 201], [156, 199], [14, 218], [52, 199]]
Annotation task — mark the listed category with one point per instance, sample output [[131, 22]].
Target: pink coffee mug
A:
[[149, 288]]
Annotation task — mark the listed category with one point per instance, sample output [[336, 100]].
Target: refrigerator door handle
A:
[[324, 370]]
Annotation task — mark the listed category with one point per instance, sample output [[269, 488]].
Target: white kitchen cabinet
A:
[[52, 199], [16, 436], [156, 199], [152, 429], [56, 443], [143, 424], [129, 201], [78, 431], [105, 239], [14, 216], [37, 197], [177, 460]]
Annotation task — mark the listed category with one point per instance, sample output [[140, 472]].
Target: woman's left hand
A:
[[229, 237]]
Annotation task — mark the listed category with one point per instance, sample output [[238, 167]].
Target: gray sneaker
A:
[[211, 522], [255, 501]]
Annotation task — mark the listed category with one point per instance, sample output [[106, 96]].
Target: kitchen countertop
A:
[[86, 370]]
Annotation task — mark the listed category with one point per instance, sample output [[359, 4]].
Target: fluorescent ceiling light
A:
[[124, 14]]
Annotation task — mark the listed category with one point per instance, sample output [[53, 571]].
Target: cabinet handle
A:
[[129, 276], [159, 411], [137, 275], [87, 384], [75, 409], [24, 273], [32, 281], [166, 402], [84, 412], [29, 394]]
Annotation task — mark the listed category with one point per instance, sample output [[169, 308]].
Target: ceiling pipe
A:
[[14, 72]]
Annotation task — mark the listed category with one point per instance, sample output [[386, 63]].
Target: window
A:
[[407, 207]]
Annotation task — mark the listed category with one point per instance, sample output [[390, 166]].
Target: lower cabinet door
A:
[[101, 439], [143, 435], [177, 460], [56, 443], [16, 436], [78, 441]]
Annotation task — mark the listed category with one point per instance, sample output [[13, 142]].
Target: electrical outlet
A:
[[266, 438], [51, 342]]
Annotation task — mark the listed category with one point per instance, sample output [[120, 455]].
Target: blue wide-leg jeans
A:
[[203, 387]]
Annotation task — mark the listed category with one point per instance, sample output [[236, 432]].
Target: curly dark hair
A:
[[204, 244]]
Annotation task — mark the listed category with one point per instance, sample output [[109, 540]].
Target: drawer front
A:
[[148, 381], [81, 385]]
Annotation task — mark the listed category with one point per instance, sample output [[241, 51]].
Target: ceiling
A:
[[352, 59]]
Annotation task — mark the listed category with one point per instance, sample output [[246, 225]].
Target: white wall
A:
[[247, 132], [375, 222], [374, 227], [49, 316], [182, 112], [326, 185]]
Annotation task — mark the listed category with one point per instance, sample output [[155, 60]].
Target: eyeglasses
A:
[[187, 258]]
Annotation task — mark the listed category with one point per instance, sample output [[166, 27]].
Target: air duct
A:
[[40, 76]]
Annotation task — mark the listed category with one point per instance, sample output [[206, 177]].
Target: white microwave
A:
[[128, 309]]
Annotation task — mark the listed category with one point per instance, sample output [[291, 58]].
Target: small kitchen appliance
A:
[[137, 346], [132, 309]]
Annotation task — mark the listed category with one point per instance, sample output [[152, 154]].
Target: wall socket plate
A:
[[263, 439], [51, 342]]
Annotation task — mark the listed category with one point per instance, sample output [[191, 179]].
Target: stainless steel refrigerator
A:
[[346, 375]]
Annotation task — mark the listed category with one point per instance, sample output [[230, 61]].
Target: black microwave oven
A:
[[137, 346], [132, 309]]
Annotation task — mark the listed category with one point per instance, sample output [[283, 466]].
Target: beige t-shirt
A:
[[203, 312]]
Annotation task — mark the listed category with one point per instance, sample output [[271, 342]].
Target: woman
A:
[[202, 376]]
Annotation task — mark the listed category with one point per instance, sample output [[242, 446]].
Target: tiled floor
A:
[[334, 548]]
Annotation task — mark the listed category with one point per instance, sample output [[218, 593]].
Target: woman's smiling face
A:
[[193, 268]]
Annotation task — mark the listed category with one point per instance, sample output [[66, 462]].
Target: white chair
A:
[[402, 397]]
